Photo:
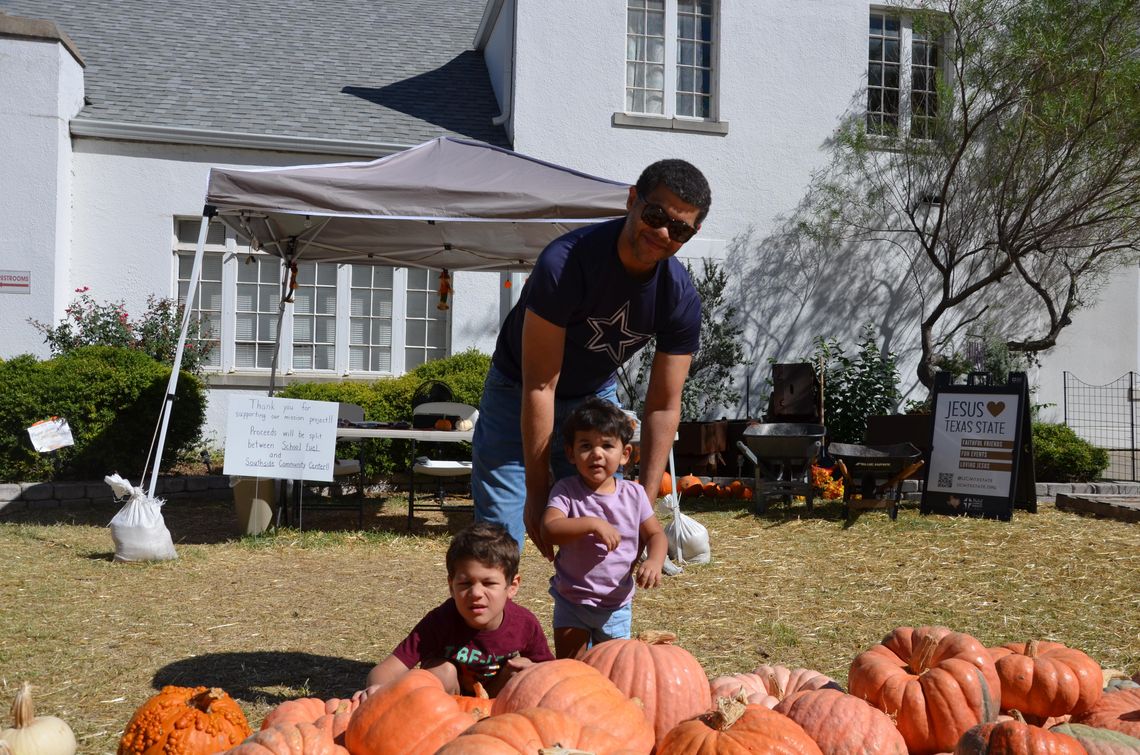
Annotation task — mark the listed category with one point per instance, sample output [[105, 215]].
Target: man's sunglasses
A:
[[655, 216]]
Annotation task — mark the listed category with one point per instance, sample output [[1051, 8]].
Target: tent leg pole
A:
[[187, 312]]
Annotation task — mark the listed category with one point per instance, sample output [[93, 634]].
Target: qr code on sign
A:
[[945, 479]]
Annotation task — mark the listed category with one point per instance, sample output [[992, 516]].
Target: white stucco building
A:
[[111, 117]]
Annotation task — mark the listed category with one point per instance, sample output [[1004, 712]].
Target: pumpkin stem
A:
[[925, 653], [207, 697], [775, 689], [23, 712], [657, 637], [1016, 715], [558, 749], [1031, 648], [728, 711], [480, 692]]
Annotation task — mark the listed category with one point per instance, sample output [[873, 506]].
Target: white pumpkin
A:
[[46, 735]]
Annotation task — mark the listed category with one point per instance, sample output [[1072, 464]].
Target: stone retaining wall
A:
[[16, 496]]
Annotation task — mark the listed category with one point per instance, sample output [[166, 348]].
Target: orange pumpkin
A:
[[841, 724], [333, 714], [736, 489], [666, 486], [768, 685], [580, 691], [188, 720], [666, 678], [1100, 741], [479, 703], [411, 714], [443, 424], [709, 490], [934, 682], [1119, 711], [301, 738], [1042, 679], [529, 731], [690, 485], [735, 728], [1016, 737]]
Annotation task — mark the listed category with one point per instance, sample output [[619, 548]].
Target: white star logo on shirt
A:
[[605, 330]]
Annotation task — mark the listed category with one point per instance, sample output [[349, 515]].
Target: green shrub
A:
[[110, 397], [855, 388], [1060, 455], [390, 400]]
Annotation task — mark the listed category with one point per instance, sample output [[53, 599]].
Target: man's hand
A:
[[532, 518], [363, 694]]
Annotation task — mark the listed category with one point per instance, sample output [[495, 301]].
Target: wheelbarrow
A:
[[783, 453], [876, 473]]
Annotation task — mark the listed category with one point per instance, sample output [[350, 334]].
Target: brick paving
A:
[[1123, 507]]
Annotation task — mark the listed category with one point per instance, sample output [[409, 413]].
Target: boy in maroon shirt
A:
[[478, 634]]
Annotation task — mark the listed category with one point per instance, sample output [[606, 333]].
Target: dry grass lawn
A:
[[307, 613]]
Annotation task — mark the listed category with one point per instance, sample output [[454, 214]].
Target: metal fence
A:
[[1106, 416]]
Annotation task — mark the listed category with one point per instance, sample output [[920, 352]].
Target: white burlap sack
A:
[[688, 538], [138, 530]]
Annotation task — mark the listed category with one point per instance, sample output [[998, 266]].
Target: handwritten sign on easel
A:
[[281, 438]]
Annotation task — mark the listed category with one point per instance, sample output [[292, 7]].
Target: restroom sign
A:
[[977, 453], [15, 281]]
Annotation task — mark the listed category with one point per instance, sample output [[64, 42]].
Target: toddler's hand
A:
[[608, 534], [648, 575]]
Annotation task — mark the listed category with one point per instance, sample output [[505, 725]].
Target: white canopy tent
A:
[[448, 203]]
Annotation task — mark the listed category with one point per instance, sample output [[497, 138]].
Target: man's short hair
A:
[[600, 415], [488, 543], [680, 177]]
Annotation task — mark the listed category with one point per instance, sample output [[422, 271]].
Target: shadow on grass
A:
[[267, 676]]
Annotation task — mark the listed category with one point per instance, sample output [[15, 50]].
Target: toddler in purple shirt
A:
[[599, 523]]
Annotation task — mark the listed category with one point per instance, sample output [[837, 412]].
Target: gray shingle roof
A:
[[397, 71]]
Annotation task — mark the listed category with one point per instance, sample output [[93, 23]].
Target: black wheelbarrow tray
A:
[[876, 473], [783, 453]]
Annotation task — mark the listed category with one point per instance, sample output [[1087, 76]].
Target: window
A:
[[669, 58], [239, 299], [903, 65]]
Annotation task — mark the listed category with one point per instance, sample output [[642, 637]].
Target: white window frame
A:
[[670, 119], [235, 253], [906, 69]]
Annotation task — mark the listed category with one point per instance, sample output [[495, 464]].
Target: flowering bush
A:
[[824, 481], [89, 323]]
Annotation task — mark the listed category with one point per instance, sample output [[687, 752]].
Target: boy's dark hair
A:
[[598, 414], [488, 543], [680, 177]]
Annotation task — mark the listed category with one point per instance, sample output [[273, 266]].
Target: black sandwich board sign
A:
[[981, 457]]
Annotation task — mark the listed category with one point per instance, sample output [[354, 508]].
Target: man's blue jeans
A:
[[498, 477]]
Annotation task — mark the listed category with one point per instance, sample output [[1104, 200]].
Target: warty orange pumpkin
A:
[[670, 683], [411, 714], [842, 724], [934, 682], [578, 690], [186, 720], [734, 728], [1042, 679]]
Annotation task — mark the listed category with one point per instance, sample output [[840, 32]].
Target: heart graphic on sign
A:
[[995, 407]]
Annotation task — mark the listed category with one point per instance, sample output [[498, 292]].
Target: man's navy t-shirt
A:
[[580, 284], [477, 654]]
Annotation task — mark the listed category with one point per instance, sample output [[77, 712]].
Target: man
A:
[[595, 296]]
